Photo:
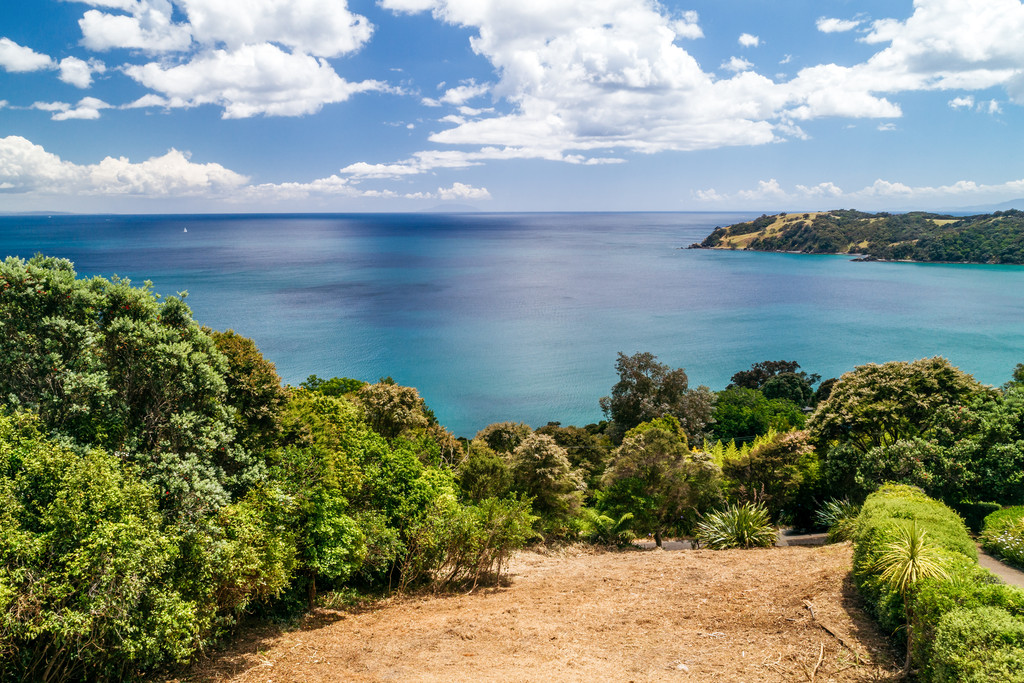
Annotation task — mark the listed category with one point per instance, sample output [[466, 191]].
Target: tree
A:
[[391, 409], [741, 413], [647, 390], [253, 389], [335, 386], [773, 473], [789, 386], [587, 452], [484, 473], [760, 373], [541, 470], [878, 405], [654, 477], [503, 437], [112, 365]]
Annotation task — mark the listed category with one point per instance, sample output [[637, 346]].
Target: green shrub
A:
[[595, 527], [979, 645], [1000, 519], [86, 566], [839, 517], [974, 514], [454, 544], [966, 626], [738, 526], [1007, 542]]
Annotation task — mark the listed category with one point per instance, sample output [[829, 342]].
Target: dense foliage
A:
[[962, 624], [158, 482], [915, 236]]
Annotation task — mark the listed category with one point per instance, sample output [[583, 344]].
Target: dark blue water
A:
[[520, 316]]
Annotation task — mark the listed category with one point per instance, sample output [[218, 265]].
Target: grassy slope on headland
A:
[[915, 236]]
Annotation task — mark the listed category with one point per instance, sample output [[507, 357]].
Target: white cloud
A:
[[687, 26], [465, 92], [78, 72], [888, 126], [250, 57], [748, 40], [882, 193], [966, 102], [325, 28], [737, 64], [829, 25], [826, 189], [28, 168], [18, 59], [993, 107], [766, 189], [460, 191], [253, 80], [149, 28], [88, 108]]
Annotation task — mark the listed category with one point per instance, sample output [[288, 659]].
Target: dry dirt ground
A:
[[781, 614]]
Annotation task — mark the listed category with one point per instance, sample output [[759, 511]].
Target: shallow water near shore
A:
[[520, 316]]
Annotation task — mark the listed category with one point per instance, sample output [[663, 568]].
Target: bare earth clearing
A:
[[579, 615]]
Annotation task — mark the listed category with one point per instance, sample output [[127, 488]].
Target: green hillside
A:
[[915, 236]]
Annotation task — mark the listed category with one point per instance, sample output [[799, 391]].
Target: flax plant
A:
[[905, 561]]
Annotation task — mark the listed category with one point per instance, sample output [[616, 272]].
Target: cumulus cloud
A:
[[252, 80], [250, 57], [78, 72], [829, 25], [748, 40], [464, 93], [966, 102], [149, 27], [881, 192], [737, 64], [26, 167], [19, 59], [460, 191], [88, 108]]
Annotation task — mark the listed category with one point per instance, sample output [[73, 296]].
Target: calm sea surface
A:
[[520, 316]]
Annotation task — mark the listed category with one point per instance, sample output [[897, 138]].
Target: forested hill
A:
[[915, 236]]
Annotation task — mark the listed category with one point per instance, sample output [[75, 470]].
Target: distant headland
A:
[[916, 236]]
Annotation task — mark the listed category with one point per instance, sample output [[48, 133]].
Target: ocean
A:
[[520, 317]]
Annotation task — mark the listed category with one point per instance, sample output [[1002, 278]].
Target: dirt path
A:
[[694, 615]]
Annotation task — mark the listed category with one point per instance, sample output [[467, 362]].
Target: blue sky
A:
[[509, 105]]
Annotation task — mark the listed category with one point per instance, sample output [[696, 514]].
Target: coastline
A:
[[855, 257]]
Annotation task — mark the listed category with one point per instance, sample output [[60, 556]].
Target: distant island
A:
[[916, 236]]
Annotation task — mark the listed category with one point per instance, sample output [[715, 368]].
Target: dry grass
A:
[[782, 614]]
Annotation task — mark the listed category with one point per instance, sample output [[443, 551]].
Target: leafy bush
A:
[[839, 517], [1003, 534], [455, 544], [773, 473], [86, 566], [964, 626], [979, 645], [601, 529], [974, 514], [738, 526]]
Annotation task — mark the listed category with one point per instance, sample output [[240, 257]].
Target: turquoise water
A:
[[520, 316]]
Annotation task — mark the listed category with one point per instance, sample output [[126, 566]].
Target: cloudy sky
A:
[[403, 105]]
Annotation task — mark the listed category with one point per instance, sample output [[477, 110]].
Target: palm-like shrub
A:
[[905, 561], [839, 517], [738, 526]]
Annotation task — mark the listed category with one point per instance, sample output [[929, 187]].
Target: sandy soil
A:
[[782, 614]]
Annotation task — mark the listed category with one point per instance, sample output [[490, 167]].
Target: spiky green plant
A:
[[905, 561], [605, 530], [737, 526], [838, 516]]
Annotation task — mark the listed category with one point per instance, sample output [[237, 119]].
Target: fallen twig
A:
[[831, 632]]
